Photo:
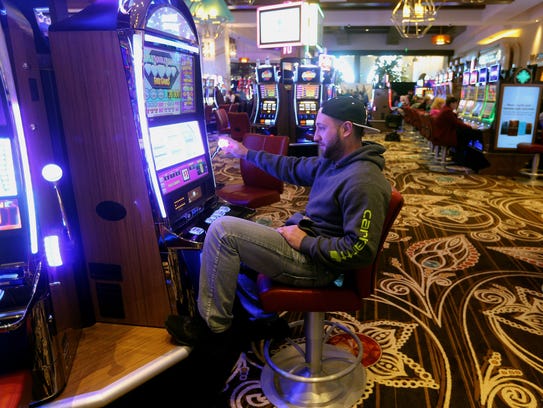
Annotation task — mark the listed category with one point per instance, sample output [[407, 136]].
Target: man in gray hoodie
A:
[[339, 231]]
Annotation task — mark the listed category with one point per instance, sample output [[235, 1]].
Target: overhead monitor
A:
[[289, 24]]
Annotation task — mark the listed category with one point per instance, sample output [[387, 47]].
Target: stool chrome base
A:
[[341, 393], [314, 373]]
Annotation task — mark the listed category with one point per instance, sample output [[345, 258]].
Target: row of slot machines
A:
[[273, 96], [479, 96], [506, 111]]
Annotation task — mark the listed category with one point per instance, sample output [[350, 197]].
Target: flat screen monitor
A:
[[517, 115], [279, 25], [169, 83], [182, 166]]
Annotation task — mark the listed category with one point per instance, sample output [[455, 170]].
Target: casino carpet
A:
[[456, 319], [457, 312]]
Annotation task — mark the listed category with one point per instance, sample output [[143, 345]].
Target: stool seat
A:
[[530, 148], [535, 149], [16, 389]]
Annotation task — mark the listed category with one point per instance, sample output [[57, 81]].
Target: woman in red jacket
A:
[[450, 127]]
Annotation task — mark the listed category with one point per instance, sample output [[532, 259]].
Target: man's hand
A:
[[233, 147], [293, 234]]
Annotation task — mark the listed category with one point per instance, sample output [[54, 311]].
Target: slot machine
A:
[[131, 98], [39, 308], [489, 109], [267, 97], [464, 93], [471, 95], [307, 98], [480, 95]]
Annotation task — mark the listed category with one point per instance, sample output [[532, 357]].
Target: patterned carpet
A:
[[458, 308]]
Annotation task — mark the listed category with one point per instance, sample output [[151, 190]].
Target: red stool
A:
[[16, 389], [536, 150], [316, 373]]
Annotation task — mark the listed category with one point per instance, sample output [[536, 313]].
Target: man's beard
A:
[[333, 151]]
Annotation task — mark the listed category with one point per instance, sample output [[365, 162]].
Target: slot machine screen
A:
[[10, 215], [473, 77], [268, 91], [169, 82], [465, 78], [483, 75], [491, 93], [494, 73], [180, 160], [307, 91], [12, 236]]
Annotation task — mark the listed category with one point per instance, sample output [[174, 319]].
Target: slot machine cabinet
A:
[[131, 98], [267, 97], [40, 323], [307, 99]]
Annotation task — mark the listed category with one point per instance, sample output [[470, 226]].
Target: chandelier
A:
[[413, 18], [210, 17]]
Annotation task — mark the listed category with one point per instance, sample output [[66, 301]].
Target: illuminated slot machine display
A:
[[131, 99], [307, 94], [489, 110], [471, 94], [267, 96], [464, 91], [209, 92], [481, 88]]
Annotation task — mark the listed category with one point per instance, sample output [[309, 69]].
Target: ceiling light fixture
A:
[[413, 18], [441, 39]]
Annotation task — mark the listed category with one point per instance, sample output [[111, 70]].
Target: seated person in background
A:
[[425, 104], [338, 232], [449, 126], [437, 105], [416, 102]]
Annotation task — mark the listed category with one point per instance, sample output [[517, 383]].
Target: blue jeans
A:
[[231, 241]]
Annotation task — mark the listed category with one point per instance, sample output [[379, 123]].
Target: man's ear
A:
[[347, 127]]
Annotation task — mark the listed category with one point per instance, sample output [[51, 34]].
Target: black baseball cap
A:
[[347, 108]]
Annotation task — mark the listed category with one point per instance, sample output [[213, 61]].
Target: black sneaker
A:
[[188, 331]]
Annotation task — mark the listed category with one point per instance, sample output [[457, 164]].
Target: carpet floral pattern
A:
[[457, 310]]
